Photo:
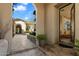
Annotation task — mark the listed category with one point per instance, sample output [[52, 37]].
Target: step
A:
[[65, 44]]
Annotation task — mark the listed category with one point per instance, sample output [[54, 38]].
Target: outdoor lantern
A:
[[34, 12]]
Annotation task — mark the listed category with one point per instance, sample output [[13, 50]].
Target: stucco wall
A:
[[23, 25], [51, 23], [77, 21], [6, 11], [40, 18]]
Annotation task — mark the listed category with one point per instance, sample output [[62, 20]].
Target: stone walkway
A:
[[21, 46], [20, 42], [32, 52], [58, 50]]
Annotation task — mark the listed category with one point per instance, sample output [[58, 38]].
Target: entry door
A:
[[66, 25]]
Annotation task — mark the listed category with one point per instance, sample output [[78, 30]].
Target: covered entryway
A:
[[47, 23]]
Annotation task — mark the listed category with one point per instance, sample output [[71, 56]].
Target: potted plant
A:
[[42, 39]]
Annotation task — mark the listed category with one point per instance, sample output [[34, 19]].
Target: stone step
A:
[[64, 44]]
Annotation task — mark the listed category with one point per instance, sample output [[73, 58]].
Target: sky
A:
[[23, 11]]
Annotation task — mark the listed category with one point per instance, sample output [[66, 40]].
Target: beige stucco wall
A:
[[51, 23], [77, 21], [23, 25], [6, 11], [39, 18]]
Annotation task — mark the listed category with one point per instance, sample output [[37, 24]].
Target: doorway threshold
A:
[[66, 45]]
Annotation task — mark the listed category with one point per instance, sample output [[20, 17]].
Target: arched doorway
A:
[[26, 14], [18, 29]]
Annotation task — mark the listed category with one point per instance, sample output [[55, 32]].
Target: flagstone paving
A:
[[21, 46], [32, 52], [20, 42]]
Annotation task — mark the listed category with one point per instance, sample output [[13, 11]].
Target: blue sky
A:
[[23, 11]]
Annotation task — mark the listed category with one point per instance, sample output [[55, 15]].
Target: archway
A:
[[18, 29], [21, 16], [28, 16]]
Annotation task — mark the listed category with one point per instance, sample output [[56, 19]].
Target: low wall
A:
[[32, 38]]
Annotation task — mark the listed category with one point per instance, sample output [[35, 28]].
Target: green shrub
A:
[[41, 37], [77, 43], [27, 31]]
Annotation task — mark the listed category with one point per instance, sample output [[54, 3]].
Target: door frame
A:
[[73, 39]]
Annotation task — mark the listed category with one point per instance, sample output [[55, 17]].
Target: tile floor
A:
[[58, 50]]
